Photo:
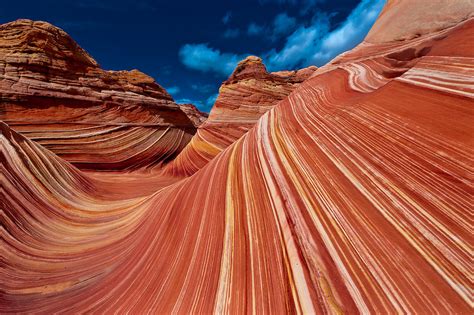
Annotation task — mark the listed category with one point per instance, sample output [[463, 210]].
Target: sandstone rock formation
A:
[[53, 92], [194, 114], [243, 98], [351, 195]]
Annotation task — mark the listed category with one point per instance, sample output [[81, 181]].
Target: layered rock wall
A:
[[53, 92], [243, 98], [351, 195]]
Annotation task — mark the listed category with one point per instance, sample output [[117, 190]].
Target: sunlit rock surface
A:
[[243, 98], [351, 195], [53, 92]]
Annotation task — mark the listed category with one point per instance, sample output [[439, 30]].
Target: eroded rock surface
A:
[[351, 195], [55, 93], [194, 114], [243, 98]]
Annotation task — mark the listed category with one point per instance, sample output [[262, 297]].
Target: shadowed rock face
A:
[[243, 98], [351, 195], [53, 92], [194, 114]]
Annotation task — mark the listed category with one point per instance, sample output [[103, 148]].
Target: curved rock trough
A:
[[350, 192]]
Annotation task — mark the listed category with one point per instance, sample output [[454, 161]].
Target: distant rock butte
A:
[[53, 92], [351, 195], [194, 114], [243, 98], [251, 91]]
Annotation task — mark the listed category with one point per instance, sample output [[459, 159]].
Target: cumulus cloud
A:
[[211, 100], [254, 29], [206, 59], [313, 43], [316, 45], [283, 24], [173, 90], [231, 33], [300, 45], [196, 103], [350, 33]]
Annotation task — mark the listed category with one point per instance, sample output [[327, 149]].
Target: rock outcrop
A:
[[251, 91], [351, 195], [53, 92], [194, 114], [243, 98]]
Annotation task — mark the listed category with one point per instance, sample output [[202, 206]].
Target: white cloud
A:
[[206, 59], [196, 103], [211, 100], [350, 33], [184, 101], [316, 45], [309, 44], [283, 24], [299, 46], [173, 90]]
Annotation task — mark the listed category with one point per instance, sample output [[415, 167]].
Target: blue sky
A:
[[190, 47]]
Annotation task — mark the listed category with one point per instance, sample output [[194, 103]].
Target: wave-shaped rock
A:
[[243, 98], [53, 92], [351, 195]]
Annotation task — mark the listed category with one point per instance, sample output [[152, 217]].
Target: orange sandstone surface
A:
[[352, 194], [243, 98], [195, 115], [53, 92]]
